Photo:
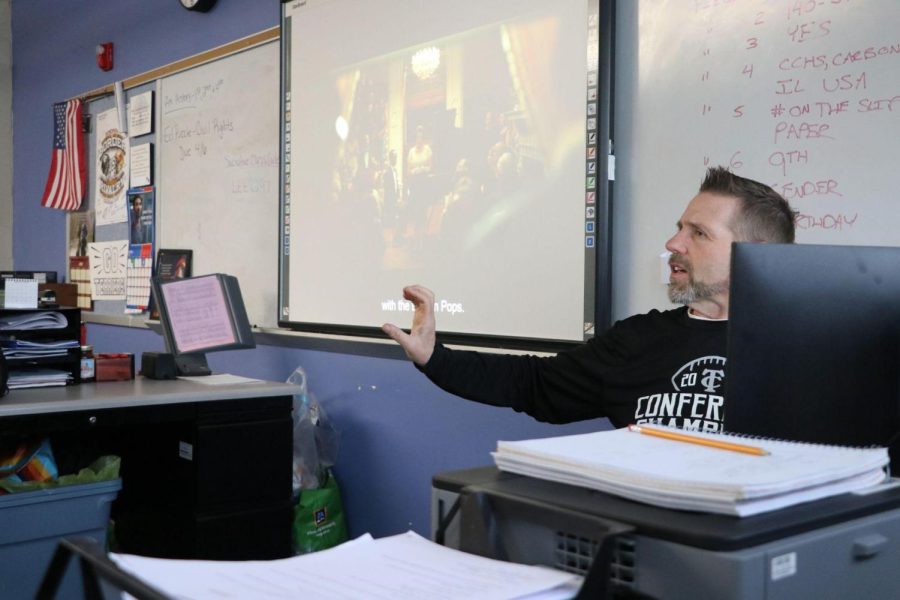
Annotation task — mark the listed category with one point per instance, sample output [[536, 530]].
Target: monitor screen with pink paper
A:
[[199, 315]]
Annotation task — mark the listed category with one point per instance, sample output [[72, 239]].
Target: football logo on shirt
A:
[[708, 371], [696, 402]]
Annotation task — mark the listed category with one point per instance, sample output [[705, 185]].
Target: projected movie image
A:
[[456, 161]]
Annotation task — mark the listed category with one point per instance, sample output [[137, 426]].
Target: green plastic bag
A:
[[105, 468], [319, 518]]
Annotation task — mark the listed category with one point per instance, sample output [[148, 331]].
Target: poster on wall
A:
[[141, 219], [140, 267], [81, 232], [141, 215], [140, 114], [111, 169], [108, 262], [141, 164], [80, 275], [171, 264]]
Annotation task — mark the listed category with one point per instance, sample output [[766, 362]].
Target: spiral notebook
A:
[[690, 476]]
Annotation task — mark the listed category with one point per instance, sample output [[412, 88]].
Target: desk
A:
[[206, 470]]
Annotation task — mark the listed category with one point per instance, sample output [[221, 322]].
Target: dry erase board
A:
[[217, 156], [803, 95]]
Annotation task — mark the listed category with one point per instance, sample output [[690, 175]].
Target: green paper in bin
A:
[[104, 468]]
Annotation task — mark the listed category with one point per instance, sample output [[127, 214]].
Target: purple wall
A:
[[397, 429]]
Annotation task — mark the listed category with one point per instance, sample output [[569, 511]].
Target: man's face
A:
[[701, 250], [138, 203]]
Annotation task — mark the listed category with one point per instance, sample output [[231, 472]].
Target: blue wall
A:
[[396, 429]]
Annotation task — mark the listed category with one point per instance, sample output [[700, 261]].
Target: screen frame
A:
[[598, 266], [814, 344]]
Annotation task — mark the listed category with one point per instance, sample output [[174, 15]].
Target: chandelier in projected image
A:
[[426, 61]]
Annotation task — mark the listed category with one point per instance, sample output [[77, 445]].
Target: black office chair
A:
[[95, 567]]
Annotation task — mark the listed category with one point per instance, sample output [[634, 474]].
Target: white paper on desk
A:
[[219, 379], [404, 566], [693, 476], [37, 378]]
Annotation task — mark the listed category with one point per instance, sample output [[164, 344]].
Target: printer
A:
[[846, 546]]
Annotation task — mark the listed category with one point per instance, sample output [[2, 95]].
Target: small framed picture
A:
[[171, 264]]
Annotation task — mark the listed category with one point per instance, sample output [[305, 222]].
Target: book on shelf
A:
[[697, 476]]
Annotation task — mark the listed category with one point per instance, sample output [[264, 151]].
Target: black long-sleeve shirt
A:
[[659, 367]]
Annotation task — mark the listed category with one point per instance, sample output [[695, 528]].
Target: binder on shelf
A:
[[692, 476]]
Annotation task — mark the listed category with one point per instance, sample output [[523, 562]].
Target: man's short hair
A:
[[765, 215]]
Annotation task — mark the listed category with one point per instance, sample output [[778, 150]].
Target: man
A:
[[390, 207], [419, 167], [661, 367]]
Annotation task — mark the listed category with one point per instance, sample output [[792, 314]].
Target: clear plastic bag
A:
[[315, 438]]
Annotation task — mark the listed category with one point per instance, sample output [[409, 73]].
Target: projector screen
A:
[[455, 145]]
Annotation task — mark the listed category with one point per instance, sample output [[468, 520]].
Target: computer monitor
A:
[[814, 344], [199, 315]]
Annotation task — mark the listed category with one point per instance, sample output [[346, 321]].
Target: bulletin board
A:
[[803, 96], [214, 165]]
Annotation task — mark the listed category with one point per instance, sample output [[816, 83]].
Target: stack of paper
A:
[[37, 378], [27, 349], [691, 476], [34, 320], [404, 566]]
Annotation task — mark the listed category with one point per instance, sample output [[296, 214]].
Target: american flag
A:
[[66, 181]]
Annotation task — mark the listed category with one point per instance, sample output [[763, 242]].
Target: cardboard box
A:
[[114, 367]]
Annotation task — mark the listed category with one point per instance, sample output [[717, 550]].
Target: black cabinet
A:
[[70, 330], [206, 480]]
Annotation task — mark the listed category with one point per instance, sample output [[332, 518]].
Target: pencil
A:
[[682, 437]]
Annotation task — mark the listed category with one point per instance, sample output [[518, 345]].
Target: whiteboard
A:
[[217, 157], [801, 94]]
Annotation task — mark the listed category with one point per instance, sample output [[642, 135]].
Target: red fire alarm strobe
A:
[[105, 56]]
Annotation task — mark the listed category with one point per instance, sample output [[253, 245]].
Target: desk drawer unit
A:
[[215, 487]]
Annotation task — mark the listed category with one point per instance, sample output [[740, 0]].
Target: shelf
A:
[[71, 362]]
